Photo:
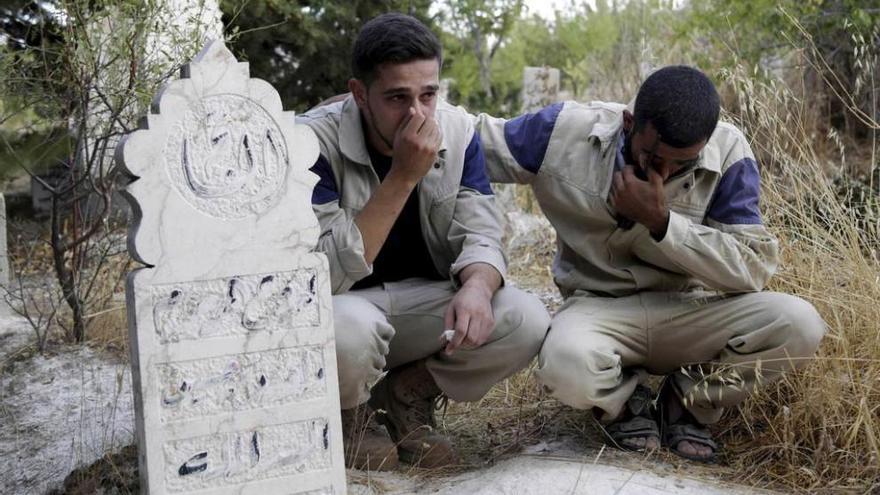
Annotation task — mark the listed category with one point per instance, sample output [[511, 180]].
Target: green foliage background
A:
[[602, 49], [302, 47]]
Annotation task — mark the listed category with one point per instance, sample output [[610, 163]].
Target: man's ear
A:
[[629, 121], [359, 90]]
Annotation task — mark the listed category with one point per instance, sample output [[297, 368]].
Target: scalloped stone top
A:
[[220, 169]]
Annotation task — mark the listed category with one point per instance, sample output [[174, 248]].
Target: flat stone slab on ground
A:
[[539, 475]]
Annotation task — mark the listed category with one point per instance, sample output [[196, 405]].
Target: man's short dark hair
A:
[[394, 38], [681, 103]]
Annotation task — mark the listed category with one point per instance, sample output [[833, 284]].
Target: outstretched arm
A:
[[515, 148]]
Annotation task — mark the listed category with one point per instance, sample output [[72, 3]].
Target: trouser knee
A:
[[578, 377], [806, 328], [521, 321], [797, 325], [362, 338]]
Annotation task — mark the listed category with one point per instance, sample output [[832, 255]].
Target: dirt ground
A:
[[58, 411]]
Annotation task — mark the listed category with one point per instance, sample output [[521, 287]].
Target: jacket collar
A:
[[352, 142], [352, 138]]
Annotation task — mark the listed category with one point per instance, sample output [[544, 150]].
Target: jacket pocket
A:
[[440, 216]]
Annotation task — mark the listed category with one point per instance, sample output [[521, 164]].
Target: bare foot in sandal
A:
[[682, 433]]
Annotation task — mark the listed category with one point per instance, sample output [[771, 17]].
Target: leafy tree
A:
[[483, 26], [531, 43], [84, 71], [840, 39], [599, 50], [303, 47]]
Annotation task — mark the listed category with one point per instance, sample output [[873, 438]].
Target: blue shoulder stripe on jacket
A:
[[325, 190], [736, 197], [474, 174], [528, 135]]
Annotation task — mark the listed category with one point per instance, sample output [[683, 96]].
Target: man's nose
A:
[[426, 109]]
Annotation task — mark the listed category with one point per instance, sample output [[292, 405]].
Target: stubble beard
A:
[[372, 117]]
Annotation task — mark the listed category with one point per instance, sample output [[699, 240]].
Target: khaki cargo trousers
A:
[[598, 349], [383, 327]]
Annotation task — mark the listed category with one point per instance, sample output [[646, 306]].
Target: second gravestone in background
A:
[[231, 325]]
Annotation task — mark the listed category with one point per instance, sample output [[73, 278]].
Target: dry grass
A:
[[108, 328], [36, 293], [817, 429], [115, 472]]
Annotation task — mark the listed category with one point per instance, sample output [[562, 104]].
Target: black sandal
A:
[[637, 421], [683, 428]]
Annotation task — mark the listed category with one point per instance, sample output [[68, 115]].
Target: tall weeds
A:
[[817, 429]]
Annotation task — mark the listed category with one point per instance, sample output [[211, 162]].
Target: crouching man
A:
[[661, 257], [412, 234]]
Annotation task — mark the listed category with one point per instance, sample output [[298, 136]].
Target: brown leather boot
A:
[[366, 442], [406, 396]]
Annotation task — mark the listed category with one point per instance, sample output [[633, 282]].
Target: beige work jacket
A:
[[459, 220], [568, 153]]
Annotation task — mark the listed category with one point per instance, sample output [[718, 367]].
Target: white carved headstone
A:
[[540, 87], [231, 326]]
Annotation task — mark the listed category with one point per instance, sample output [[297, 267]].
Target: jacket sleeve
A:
[[515, 148], [340, 238], [475, 231], [732, 250]]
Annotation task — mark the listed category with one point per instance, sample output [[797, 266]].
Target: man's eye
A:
[[428, 96]]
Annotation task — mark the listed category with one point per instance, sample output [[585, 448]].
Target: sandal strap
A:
[[635, 427], [676, 433]]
